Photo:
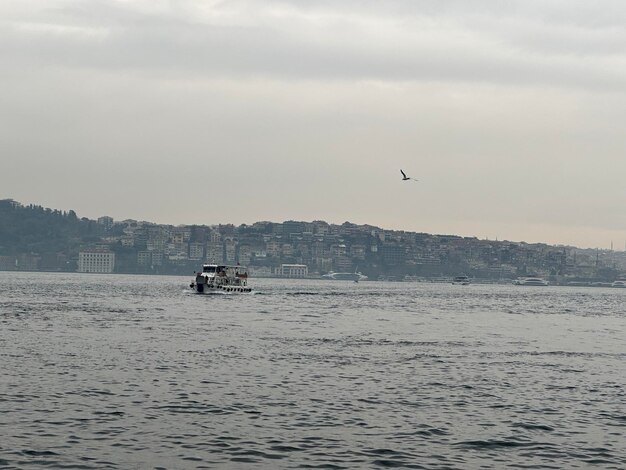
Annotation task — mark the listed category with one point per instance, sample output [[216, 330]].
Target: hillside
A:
[[34, 238]]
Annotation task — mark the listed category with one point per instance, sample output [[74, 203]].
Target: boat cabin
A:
[[223, 275], [216, 278]]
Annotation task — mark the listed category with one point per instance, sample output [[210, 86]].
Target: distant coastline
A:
[[34, 238]]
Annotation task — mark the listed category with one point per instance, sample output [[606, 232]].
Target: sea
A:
[[137, 372]]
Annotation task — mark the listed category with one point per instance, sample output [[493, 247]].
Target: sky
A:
[[509, 114]]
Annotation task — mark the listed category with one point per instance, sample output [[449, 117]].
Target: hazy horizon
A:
[[189, 112]]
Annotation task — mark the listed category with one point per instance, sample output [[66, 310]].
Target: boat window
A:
[[209, 269]]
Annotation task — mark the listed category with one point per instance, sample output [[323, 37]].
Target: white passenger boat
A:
[[530, 281], [216, 278]]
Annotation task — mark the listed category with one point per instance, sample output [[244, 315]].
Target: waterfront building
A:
[[260, 271], [28, 262], [144, 258], [157, 258], [294, 270], [96, 261]]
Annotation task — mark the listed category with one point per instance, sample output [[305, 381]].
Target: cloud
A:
[[520, 44], [514, 108]]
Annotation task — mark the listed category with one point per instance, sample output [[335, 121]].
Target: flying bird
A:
[[405, 177]]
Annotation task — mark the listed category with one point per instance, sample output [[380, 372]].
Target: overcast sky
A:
[[511, 114]]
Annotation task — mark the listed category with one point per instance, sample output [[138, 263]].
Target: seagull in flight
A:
[[405, 177]]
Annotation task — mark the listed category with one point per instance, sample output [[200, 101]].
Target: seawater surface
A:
[[137, 372]]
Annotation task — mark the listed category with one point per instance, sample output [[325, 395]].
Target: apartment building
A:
[[96, 261]]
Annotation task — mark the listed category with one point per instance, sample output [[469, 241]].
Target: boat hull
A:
[[209, 289], [221, 279], [538, 283]]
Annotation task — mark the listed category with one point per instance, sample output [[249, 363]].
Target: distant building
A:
[[127, 240], [291, 226], [260, 271], [245, 254], [96, 261], [157, 258], [287, 249], [144, 258], [338, 250], [215, 236], [230, 251], [53, 262], [214, 253], [28, 262], [106, 221], [358, 251], [393, 254], [320, 227], [294, 270], [196, 251], [343, 263], [272, 248]]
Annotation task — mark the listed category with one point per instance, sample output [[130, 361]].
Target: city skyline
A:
[[614, 245], [188, 112], [213, 224], [34, 238]]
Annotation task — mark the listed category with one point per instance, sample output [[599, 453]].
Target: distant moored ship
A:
[[530, 281], [620, 282], [355, 276]]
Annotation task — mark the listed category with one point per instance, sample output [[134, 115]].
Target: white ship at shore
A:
[[216, 278], [530, 281], [355, 276], [619, 282]]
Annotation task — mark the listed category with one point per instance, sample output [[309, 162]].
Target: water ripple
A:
[[103, 373]]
